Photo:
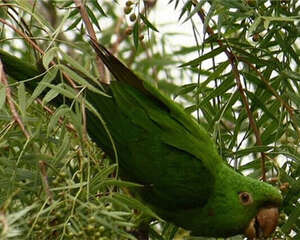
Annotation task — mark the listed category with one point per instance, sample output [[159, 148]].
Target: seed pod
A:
[[128, 31], [251, 3], [127, 10], [129, 3], [132, 17], [256, 37]]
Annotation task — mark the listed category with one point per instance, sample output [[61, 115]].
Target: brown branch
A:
[[10, 101], [250, 115], [60, 120], [233, 61], [33, 44], [272, 90], [45, 181], [4, 224], [84, 120], [221, 44], [92, 34]]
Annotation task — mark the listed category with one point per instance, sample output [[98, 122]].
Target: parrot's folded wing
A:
[[183, 132], [166, 161]]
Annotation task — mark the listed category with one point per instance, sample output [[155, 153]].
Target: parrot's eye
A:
[[245, 198]]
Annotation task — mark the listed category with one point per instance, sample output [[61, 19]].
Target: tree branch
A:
[[233, 61], [10, 101], [92, 34]]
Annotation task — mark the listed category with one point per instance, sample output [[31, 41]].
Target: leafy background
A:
[[240, 79]]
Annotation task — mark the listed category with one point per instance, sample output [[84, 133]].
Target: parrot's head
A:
[[244, 205]]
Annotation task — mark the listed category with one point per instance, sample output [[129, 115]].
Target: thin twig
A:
[[60, 120], [10, 101], [284, 104], [84, 120], [92, 34], [44, 175], [33, 44], [233, 61], [4, 224]]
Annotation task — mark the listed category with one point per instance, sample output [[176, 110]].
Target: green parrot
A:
[[159, 146]]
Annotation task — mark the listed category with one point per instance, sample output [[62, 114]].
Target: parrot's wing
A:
[[183, 133], [157, 144], [159, 151]]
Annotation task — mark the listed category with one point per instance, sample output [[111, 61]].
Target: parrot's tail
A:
[[117, 68]]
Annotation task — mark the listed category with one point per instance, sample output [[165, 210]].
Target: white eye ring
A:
[[245, 198]]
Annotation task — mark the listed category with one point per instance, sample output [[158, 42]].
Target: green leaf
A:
[[221, 89], [22, 98], [196, 9], [77, 78], [26, 6], [61, 112], [69, 187], [295, 98], [256, 101], [93, 17], [186, 8], [77, 66], [64, 147], [49, 56], [50, 95], [254, 25], [217, 72], [74, 24], [117, 183], [250, 150], [96, 5], [48, 78], [286, 47], [2, 95], [104, 173], [135, 204], [211, 54], [147, 23], [292, 75], [286, 228], [185, 89]]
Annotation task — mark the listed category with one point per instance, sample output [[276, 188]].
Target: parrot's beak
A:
[[263, 224]]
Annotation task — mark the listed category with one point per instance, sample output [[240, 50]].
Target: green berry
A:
[[101, 229], [90, 227]]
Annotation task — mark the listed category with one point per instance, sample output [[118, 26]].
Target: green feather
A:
[[164, 149]]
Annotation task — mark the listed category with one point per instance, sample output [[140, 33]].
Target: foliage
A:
[[243, 86]]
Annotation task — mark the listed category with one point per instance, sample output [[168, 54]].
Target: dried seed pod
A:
[[256, 37], [132, 17], [127, 10], [128, 31], [128, 3]]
